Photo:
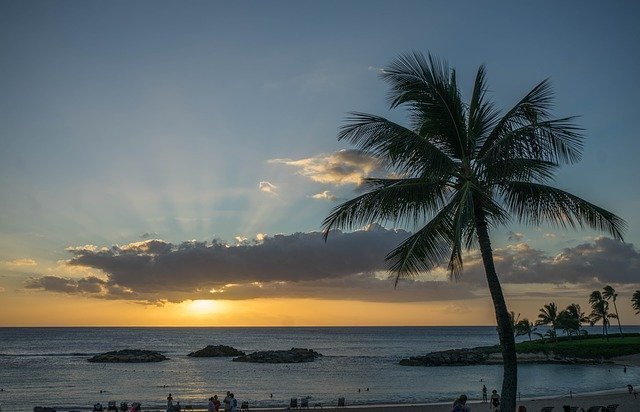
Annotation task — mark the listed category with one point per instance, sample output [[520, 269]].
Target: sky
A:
[[171, 163]]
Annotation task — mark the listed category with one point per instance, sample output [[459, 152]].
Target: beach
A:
[[626, 402]]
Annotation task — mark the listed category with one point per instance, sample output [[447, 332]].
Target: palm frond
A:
[[404, 150], [463, 224], [429, 88], [519, 169], [482, 114], [397, 200], [557, 140], [428, 247], [534, 203], [528, 123]]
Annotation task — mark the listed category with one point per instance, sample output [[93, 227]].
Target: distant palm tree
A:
[[576, 312], [525, 327], [568, 323], [461, 169], [549, 316], [609, 293], [635, 301], [600, 311]]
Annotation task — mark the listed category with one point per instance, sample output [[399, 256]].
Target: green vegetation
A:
[[588, 347]]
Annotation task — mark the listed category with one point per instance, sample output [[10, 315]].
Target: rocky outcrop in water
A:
[[454, 357], [294, 355], [216, 351], [487, 356], [129, 356]]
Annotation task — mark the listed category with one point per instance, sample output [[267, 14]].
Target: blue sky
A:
[[119, 119]]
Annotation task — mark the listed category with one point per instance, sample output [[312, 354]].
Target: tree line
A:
[[571, 319]]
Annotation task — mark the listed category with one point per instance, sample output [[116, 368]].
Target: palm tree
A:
[[600, 311], [549, 316], [635, 301], [568, 323], [525, 327], [609, 293], [576, 312], [460, 169]]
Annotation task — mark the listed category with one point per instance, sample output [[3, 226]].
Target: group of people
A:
[[460, 404], [229, 401]]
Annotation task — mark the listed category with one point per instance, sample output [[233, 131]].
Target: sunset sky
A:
[[170, 163]]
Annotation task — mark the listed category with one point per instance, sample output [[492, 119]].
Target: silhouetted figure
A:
[[460, 404], [484, 394]]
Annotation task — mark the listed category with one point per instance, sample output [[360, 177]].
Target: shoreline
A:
[[620, 396]]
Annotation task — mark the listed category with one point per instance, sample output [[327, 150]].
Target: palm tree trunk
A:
[[505, 328], [617, 317]]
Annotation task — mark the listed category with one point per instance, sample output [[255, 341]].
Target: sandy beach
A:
[[625, 401]]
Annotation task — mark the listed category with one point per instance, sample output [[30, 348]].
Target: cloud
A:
[[349, 266], [21, 262], [148, 235], [267, 187], [340, 168], [326, 195], [515, 236]]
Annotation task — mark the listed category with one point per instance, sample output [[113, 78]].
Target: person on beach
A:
[[495, 400], [216, 403], [227, 402], [460, 404], [211, 407], [484, 394], [233, 403], [169, 403]]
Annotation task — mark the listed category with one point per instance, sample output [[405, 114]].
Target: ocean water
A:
[[48, 366]]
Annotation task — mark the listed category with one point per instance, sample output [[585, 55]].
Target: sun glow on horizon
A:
[[202, 307]]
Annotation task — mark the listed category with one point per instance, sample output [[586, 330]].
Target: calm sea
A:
[[48, 366]]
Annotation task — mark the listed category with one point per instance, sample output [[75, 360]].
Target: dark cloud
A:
[[349, 266]]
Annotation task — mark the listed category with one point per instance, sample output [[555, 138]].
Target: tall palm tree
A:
[[635, 301], [549, 316], [609, 293], [460, 169]]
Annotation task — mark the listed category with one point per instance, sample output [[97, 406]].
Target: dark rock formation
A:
[[487, 355], [295, 355], [454, 357], [216, 351], [129, 356]]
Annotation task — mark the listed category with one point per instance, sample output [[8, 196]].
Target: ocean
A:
[[48, 367]]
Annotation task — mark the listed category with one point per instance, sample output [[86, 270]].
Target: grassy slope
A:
[[587, 347]]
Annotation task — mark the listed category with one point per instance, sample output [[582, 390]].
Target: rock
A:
[[129, 356], [216, 351], [295, 355], [454, 357]]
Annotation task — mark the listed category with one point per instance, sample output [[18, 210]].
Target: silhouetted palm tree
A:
[[576, 311], [460, 169], [549, 316], [635, 301], [600, 311], [609, 293], [568, 323], [525, 327]]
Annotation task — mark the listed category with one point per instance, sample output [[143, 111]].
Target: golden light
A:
[[203, 306]]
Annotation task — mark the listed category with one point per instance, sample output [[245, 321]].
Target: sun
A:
[[202, 306]]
